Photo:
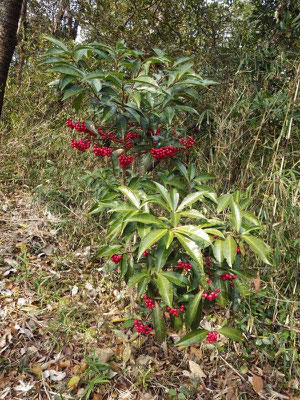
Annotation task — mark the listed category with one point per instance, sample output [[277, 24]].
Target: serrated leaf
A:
[[258, 246], [165, 289], [193, 337], [68, 70], [236, 214], [189, 200], [136, 278], [223, 202], [231, 333], [151, 238], [159, 324], [131, 196], [229, 249], [57, 43], [146, 80], [192, 310]]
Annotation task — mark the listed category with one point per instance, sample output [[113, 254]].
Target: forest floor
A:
[[65, 330]]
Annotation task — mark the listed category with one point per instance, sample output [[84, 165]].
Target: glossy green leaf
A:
[[251, 218], [159, 324], [218, 250], [162, 254], [176, 278], [192, 310], [169, 239], [258, 246], [170, 112], [193, 232], [189, 200], [165, 289], [142, 285], [146, 80], [204, 177], [72, 92], [108, 112], [165, 194], [236, 214], [193, 214], [151, 238], [137, 98], [131, 196], [223, 202], [193, 337], [109, 250], [213, 231], [229, 249], [147, 219], [136, 278], [242, 287], [68, 70], [121, 125], [231, 333], [192, 249], [57, 43], [182, 169]]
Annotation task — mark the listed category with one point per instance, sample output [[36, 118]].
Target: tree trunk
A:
[[9, 17], [21, 35]]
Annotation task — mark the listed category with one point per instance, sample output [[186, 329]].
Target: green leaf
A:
[[192, 310], [151, 238], [223, 202], [218, 250], [169, 239], [182, 169], [68, 70], [108, 112], [191, 248], [123, 267], [146, 80], [159, 323], [136, 278], [121, 125], [137, 98], [165, 194], [162, 254], [65, 81], [142, 285], [205, 176], [147, 219], [236, 213], [176, 278], [77, 101], [72, 91], [193, 232], [193, 214], [231, 333], [108, 250], [213, 231], [229, 248], [193, 337], [57, 42], [251, 218], [189, 199], [258, 246], [131, 196], [170, 112], [242, 287], [198, 270], [165, 289]]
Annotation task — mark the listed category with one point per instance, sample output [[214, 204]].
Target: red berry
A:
[[238, 250]]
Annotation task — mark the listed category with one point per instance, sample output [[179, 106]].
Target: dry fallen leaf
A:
[[73, 382], [257, 383], [257, 282], [196, 369]]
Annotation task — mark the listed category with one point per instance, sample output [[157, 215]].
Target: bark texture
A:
[[9, 17]]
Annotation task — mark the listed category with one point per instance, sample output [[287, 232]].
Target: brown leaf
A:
[[196, 369], [257, 282], [257, 383]]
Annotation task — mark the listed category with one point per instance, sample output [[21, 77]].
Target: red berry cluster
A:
[[151, 131], [102, 151], [189, 143], [174, 311], [124, 161], [116, 258], [79, 127], [186, 266], [207, 262], [142, 328], [81, 144], [164, 152], [108, 136], [149, 303], [228, 277], [212, 295], [146, 252], [212, 336]]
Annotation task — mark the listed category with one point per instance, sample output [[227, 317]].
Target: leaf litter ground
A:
[[62, 333]]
